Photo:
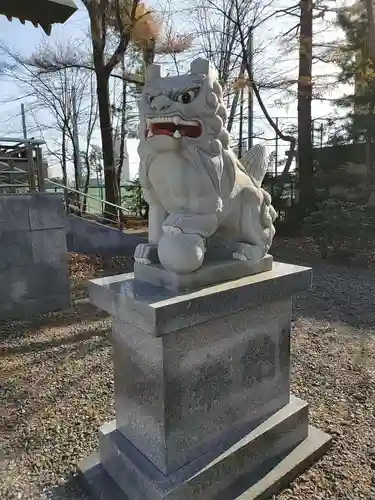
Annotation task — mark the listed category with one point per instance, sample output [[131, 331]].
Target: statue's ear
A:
[[203, 67], [152, 72]]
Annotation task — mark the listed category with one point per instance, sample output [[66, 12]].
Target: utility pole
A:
[[240, 142], [276, 150], [274, 177], [250, 116], [23, 114], [78, 173]]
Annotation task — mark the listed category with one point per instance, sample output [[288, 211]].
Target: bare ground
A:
[[57, 385]]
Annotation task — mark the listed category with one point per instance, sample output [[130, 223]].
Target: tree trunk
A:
[[110, 183], [371, 28], [149, 53], [370, 157], [305, 147], [241, 75], [123, 131], [233, 109]]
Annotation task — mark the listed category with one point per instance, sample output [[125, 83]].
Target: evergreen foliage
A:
[[134, 201], [343, 224]]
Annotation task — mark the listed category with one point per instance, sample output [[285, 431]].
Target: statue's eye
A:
[[150, 98], [187, 96]]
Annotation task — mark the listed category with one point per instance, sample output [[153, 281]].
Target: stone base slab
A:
[[210, 273], [255, 467]]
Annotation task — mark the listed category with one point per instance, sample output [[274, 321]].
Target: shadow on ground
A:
[[81, 311], [71, 490], [344, 294], [50, 344]]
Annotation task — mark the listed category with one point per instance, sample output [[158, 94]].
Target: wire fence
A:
[[323, 129]]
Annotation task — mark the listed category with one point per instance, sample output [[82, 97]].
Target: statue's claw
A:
[[146, 254], [239, 256], [245, 251]]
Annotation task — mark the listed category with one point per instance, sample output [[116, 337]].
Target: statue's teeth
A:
[[177, 134], [176, 120]]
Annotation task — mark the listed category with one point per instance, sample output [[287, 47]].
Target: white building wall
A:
[[125, 173]]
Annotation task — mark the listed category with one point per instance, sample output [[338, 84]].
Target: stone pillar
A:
[[202, 391], [33, 255]]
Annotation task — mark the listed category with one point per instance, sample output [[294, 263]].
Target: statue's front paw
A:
[[146, 254]]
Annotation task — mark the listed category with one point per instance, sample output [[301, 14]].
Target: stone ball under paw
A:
[[181, 253]]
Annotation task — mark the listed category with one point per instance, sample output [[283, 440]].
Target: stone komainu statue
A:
[[202, 198]]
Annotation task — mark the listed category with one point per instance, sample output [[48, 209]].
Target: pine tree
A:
[[134, 200], [344, 223], [357, 68]]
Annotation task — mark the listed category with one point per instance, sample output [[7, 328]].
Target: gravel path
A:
[[58, 389]]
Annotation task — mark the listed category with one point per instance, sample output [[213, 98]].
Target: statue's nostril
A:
[[160, 102]]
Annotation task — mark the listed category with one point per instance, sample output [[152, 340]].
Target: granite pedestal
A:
[[202, 391]]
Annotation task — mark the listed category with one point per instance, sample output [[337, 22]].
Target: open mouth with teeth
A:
[[173, 126]]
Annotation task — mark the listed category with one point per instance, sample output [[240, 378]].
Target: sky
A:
[[24, 39]]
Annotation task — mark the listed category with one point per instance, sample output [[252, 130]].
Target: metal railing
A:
[[88, 206], [22, 171]]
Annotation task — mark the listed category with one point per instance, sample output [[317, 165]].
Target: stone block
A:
[[49, 246], [102, 295], [46, 211], [209, 274], [98, 480], [37, 281], [20, 309], [160, 311], [178, 395], [278, 448], [15, 249], [26, 308], [14, 286], [14, 213], [33, 256], [55, 302], [139, 404], [48, 279]]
